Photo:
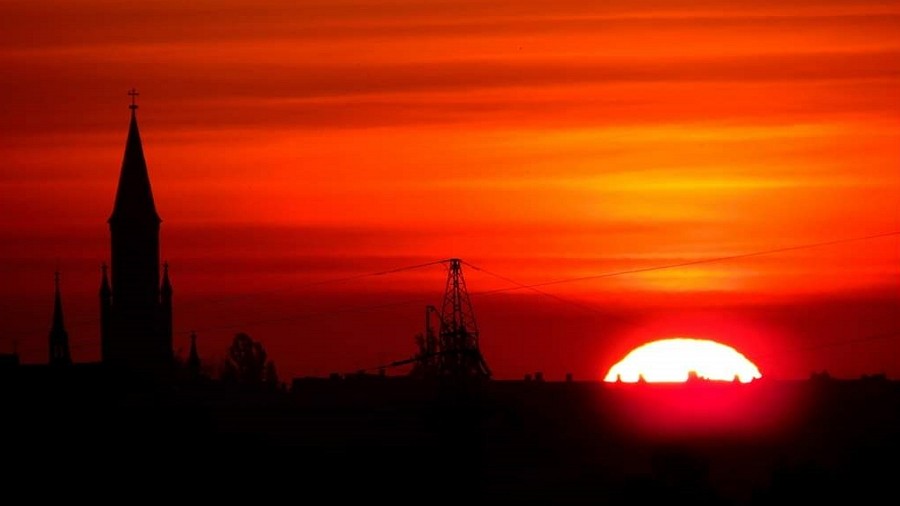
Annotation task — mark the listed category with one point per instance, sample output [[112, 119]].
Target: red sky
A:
[[296, 142]]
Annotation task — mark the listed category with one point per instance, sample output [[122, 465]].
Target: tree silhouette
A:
[[247, 363]]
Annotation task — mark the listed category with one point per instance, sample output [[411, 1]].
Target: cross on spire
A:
[[133, 93]]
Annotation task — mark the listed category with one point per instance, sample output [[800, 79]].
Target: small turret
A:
[[59, 338]]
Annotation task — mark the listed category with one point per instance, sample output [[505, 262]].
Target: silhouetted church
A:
[[135, 307]]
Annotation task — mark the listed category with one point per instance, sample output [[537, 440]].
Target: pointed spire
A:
[[59, 338], [133, 93], [134, 197]]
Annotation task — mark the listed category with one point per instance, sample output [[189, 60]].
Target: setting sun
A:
[[673, 361]]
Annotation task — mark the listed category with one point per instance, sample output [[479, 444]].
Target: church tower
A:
[[135, 308], [59, 338]]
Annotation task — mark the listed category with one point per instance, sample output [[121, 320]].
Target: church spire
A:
[[134, 197], [59, 338], [136, 331]]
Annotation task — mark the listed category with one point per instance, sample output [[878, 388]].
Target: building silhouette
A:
[[59, 338], [135, 306]]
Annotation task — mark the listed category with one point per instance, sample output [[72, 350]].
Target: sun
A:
[[674, 360]]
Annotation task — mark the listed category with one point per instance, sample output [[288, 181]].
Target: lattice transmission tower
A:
[[459, 353]]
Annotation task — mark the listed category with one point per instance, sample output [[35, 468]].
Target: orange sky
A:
[[540, 140]]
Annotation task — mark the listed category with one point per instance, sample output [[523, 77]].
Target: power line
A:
[[535, 286], [831, 344], [95, 320], [532, 288], [303, 316], [330, 281], [520, 286], [337, 311]]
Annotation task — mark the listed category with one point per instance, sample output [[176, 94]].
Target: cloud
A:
[[62, 23]]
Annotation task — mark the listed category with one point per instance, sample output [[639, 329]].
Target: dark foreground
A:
[[88, 433]]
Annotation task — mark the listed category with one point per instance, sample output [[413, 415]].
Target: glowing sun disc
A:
[[673, 360]]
